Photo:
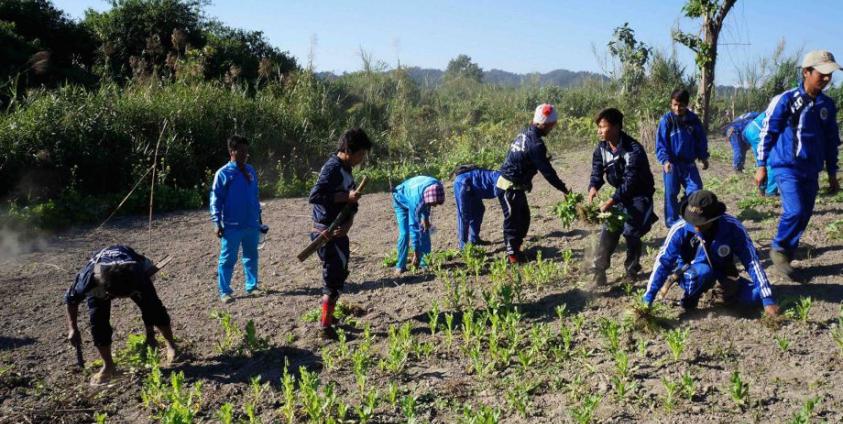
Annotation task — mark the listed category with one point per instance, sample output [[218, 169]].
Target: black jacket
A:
[[627, 169], [528, 155]]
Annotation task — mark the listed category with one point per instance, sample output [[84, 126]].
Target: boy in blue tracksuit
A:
[[623, 162], [799, 137], [334, 190], [471, 186], [527, 156], [412, 201], [700, 250], [236, 214], [734, 131], [752, 135], [680, 141]]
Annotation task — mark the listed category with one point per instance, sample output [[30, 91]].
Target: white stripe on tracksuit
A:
[[678, 225], [765, 126], [755, 264]]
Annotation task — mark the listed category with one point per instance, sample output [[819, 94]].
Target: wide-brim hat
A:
[[702, 207]]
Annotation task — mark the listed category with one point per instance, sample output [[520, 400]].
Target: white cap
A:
[[821, 60], [545, 113]]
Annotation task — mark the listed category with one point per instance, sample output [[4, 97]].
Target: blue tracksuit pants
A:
[[682, 174], [232, 239], [699, 278], [405, 233], [798, 196], [470, 210]]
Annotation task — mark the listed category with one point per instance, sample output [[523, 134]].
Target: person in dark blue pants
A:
[[799, 138], [471, 186], [700, 251], [734, 131], [623, 161], [680, 141], [526, 157]]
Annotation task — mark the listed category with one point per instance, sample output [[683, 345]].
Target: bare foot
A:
[[103, 377]]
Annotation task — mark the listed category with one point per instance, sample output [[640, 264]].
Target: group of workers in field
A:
[[793, 140]]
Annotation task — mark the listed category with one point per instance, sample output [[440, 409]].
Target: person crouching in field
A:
[[734, 132], [412, 201], [680, 140], [527, 155], [116, 272], [471, 186], [700, 250], [334, 190], [623, 161], [236, 213]]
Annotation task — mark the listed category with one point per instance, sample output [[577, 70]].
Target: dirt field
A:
[[783, 364]]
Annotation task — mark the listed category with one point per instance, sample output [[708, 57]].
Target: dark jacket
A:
[[528, 155], [333, 178], [83, 283], [627, 169]]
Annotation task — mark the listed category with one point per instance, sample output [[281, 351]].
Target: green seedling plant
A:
[[408, 407], [392, 394], [803, 416], [783, 343], [671, 389], [474, 258], [676, 340], [449, 330], [837, 332], [613, 219], [739, 390], [100, 417], [566, 210], [801, 309], [288, 385], [252, 342], [433, 319], [482, 415], [366, 411], [611, 330], [231, 335], [518, 397], [688, 385], [584, 412]]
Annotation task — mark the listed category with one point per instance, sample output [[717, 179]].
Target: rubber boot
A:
[[606, 244], [632, 264], [326, 320], [781, 262]]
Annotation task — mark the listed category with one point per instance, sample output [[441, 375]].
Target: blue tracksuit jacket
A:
[[681, 139], [752, 136], [527, 156], [800, 134], [684, 246], [234, 198], [410, 210]]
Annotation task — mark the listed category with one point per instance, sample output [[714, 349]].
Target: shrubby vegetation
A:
[[70, 151]]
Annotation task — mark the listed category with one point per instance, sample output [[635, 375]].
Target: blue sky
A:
[[540, 35]]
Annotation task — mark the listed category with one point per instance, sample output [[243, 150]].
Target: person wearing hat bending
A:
[[116, 272], [680, 140], [471, 186], [412, 201], [799, 138], [236, 214], [527, 156], [334, 189], [700, 250], [623, 162]]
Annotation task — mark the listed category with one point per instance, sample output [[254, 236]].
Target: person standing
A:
[[334, 190], [799, 138], [471, 186], [236, 214], [527, 156], [623, 161], [680, 141]]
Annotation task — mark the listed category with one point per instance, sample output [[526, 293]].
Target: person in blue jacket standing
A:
[[680, 141], [471, 186], [752, 135], [734, 131], [412, 201], [700, 250], [799, 138], [236, 214], [527, 156], [623, 161]]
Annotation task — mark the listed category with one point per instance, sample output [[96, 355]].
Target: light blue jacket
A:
[[410, 195], [234, 198]]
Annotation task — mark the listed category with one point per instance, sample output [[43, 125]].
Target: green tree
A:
[[633, 56], [704, 45], [246, 52], [461, 67]]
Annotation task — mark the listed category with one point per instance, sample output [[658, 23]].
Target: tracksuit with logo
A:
[[680, 140]]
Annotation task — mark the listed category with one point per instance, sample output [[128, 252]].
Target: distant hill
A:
[[560, 77]]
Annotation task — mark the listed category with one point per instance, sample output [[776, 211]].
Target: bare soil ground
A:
[[39, 382]]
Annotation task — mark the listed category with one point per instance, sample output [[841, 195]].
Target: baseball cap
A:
[[821, 60]]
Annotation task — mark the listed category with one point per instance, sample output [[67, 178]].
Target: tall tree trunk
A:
[[712, 24]]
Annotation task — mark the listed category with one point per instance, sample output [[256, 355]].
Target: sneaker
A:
[[781, 262], [256, 290], [328, 333], [226, 298]]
